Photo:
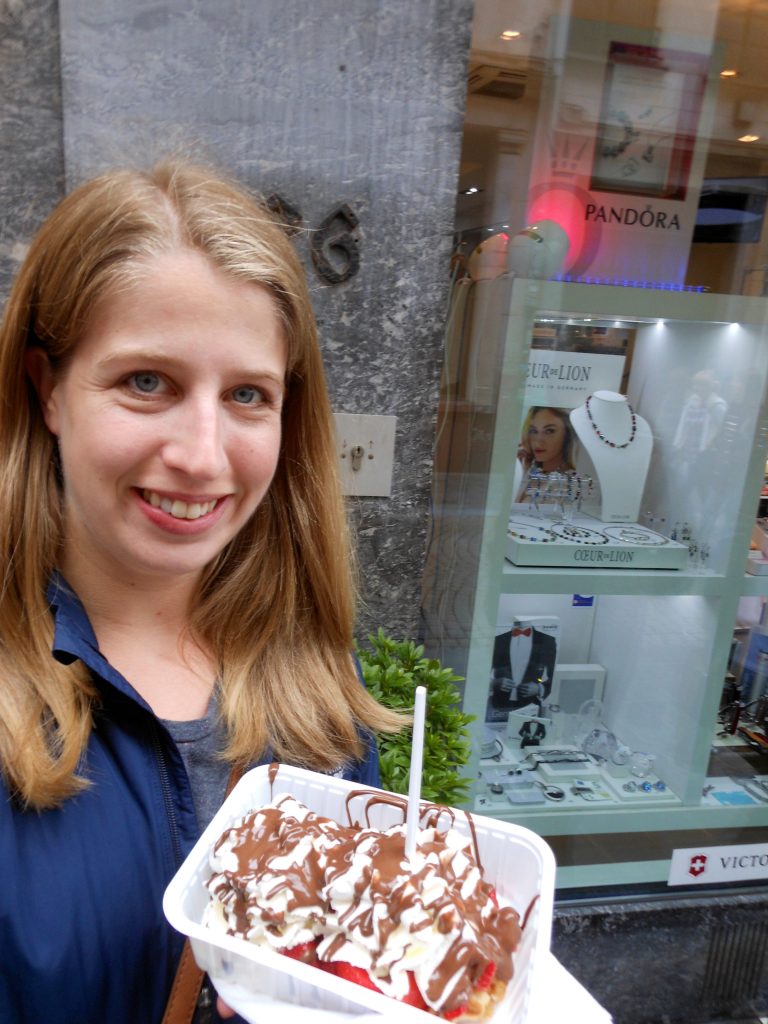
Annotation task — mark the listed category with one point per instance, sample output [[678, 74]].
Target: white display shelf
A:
[[542, 580], [754, 586], [563, 298], [552, 820]]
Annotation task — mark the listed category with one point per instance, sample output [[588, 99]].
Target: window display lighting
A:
[[667, 286]]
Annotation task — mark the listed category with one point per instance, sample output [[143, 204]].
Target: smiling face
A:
[[168, 416], [546, 439]]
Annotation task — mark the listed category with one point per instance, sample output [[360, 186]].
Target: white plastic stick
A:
[[414, 781]]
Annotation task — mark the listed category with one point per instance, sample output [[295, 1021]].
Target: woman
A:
[[547, 441], [176, 594]]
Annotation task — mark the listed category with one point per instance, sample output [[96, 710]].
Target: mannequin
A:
[[619, 443]]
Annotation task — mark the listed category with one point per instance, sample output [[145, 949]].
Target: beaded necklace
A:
[[601, 435], [532, 533], [577, 534]]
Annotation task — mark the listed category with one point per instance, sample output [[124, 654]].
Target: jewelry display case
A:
[[624, 780]]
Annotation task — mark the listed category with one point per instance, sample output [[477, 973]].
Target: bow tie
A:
[[521, 632]]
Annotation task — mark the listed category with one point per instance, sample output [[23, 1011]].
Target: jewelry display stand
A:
[[550, 546], [619, 444], [585, 542], [517, 776]]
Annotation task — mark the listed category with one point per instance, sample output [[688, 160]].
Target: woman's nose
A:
[[194, 444]]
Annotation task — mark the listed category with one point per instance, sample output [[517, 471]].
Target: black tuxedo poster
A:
[[523, 665]]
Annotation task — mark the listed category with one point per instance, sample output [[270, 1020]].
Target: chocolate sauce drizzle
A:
[[343, 881]]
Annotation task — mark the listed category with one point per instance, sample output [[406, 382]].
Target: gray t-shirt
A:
[[200, 743]]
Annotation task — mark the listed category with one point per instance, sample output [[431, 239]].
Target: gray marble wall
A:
[[31, 157], [321, 102]]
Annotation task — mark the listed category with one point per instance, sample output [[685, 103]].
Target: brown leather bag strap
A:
[[188, 981], [185, 990]]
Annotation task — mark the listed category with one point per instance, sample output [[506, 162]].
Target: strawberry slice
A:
[[325, 965], [357, 974], [453, 1014], [485, 979], [305, 951], [483, 982], [361, 977], [413, 997]]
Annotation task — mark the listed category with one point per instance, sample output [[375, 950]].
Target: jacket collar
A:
[[74, 638], [73, 635]]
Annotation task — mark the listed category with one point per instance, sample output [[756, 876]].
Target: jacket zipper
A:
[[165, 784]]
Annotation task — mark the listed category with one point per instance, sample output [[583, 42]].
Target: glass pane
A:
[[601, 443]]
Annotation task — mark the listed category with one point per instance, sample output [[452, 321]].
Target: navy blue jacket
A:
[[83, 939]]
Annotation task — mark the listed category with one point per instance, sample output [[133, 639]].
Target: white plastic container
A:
[[259, 983]]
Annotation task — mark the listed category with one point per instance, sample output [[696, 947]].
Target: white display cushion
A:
[[585, 542], [757, 564], [760, 536]]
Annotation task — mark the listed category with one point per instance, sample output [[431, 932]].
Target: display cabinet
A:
[[624, 747]]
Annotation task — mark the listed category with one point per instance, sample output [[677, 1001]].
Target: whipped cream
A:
[[284, 876]]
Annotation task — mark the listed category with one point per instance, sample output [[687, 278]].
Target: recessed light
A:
[[469, 191], [728, 73], [748, 138], [510, 33]]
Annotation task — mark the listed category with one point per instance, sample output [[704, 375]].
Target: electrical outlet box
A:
[[366, 447]]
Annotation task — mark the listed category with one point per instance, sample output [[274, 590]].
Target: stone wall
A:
[[321, 103], [31, 156]]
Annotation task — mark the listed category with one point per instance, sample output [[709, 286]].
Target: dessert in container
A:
[[260, 983]]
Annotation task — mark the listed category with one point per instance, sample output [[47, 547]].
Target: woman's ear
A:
[[38, 367]]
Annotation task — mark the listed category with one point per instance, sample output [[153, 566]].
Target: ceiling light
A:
[[748, 138], [510, 33], [728, 73]]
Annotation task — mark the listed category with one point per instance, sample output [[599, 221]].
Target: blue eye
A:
[[246, 395], [146, 382]]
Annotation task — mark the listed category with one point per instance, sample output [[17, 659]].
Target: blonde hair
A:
[[276, 607]]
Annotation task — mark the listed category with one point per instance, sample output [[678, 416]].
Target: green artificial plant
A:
[[392, 670]]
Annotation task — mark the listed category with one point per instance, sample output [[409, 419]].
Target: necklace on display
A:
[[601, 435], [533, 534]]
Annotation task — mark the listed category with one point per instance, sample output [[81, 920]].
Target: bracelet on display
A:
[[570, 533], [638, 535], [567, 756], [577, 534], [561, 487]]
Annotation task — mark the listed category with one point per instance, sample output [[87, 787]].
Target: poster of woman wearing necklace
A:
[[564, 366], [547, 441]]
